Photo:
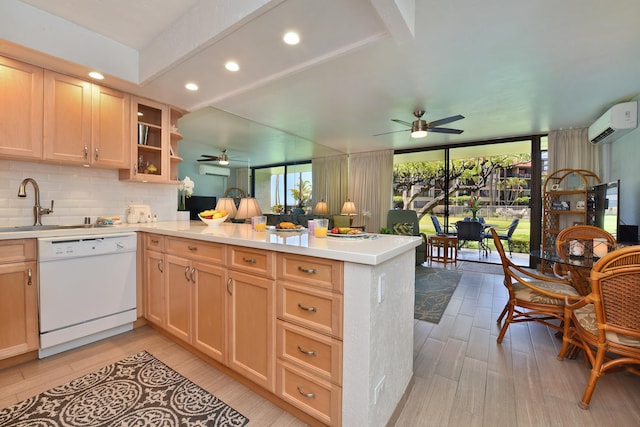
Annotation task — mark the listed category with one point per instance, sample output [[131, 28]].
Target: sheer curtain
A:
[[571, 149], [371, 187], [329, 175]]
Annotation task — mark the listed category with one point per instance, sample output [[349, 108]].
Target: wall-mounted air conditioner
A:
[[618, 120], [213, 170]]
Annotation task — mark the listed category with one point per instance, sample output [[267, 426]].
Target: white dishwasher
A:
[[87, 289]]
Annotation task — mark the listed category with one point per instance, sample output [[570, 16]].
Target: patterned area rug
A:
[[136, 391], [434, 287]]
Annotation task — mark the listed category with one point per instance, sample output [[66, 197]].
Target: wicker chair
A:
[[532, 297], [584, 235], [606, 323]]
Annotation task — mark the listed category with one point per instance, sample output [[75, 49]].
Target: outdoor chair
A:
[[405, 222], [507, 233], [532, 297], [471, 231], [438, 227], [605, 324]]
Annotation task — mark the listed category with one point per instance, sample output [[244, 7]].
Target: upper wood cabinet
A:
[[84, 123], [154, 142], [21, 100]]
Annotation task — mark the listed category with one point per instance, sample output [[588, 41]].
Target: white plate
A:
[[347, 236], [285, 230]]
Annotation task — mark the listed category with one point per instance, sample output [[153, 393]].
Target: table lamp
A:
[[321, 208], [227, 204], [349, 208], [248, 208]]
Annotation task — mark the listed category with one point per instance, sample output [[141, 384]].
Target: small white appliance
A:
[[618, 120], [87, 289]]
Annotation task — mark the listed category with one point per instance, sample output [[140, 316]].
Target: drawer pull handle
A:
[[310, 309], [307, 270], [186, 274], [192, 275], [311, 395], [229, 286], [29, 276], [308, 353], [155, 241], [192, 248], [160, 266], [249, 260]]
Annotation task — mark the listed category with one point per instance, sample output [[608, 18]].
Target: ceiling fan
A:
[[419, 127], [222, 159]]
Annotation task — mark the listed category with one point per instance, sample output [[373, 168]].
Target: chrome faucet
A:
[[38, 211]]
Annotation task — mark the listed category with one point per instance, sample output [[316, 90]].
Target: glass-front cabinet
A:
[[155, 142]]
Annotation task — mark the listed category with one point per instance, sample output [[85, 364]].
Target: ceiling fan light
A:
[[223, 160], [419, 129]]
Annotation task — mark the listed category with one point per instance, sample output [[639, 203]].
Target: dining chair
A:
[[605, 324], [471, 231], [532, 297], [582, 236], [507, 233]]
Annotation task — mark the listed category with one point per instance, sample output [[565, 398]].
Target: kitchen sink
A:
[[43, 227]]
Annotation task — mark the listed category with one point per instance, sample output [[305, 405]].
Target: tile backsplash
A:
[[78, 192]]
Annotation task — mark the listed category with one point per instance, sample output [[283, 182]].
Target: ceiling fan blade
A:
[[207, 160], [445, 121], [393, 131], [444, 130], [402, 122]]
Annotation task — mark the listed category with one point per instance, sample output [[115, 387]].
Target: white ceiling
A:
[[511, 68]]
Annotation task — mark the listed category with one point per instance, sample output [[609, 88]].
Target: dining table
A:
[[578, 267]]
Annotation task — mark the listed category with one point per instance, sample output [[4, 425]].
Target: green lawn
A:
[[520, 236]]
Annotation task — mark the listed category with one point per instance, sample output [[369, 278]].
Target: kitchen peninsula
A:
[[366, 285]]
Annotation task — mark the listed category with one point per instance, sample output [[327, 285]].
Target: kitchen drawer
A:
[[254, 261], [315, 353], [313, 308], [17, 250], [196, 249], [155, 242], [318, 398], [319, 272]]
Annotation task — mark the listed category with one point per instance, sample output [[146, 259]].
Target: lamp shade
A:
[[248, 208], [348, 208], [321, 207], [227, 204]]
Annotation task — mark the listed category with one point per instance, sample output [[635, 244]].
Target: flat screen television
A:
[[603, 203]]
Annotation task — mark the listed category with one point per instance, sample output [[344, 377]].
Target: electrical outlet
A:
[[378, 391]]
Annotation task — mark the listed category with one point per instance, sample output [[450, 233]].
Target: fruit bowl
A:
[[213, 222]]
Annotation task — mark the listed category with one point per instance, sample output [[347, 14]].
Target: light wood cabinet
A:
[[21, 105], [195, 294], [18, 298], [154, 140], [309, 335], [84, 123], [154, 282], [273, 318]]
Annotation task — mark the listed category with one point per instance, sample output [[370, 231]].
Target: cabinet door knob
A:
[[97, 154], [310, 309], [160, 266], [186, 274], [229, 286], [193, 275], [308, 353], [310, 395], [29, 276]]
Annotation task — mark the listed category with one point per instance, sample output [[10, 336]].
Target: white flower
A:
[[186, 186], [366, 214]]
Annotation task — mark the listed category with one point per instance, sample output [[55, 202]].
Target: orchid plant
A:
[[474, 205], [185, 190]]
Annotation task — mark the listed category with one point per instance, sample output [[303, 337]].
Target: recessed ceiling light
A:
[[291, 37], [191, 86], [96, 75], [232, 66]]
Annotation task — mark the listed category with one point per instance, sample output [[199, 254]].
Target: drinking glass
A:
[[320, 227], [259, 223]]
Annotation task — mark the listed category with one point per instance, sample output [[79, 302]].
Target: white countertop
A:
[[373, 250]]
